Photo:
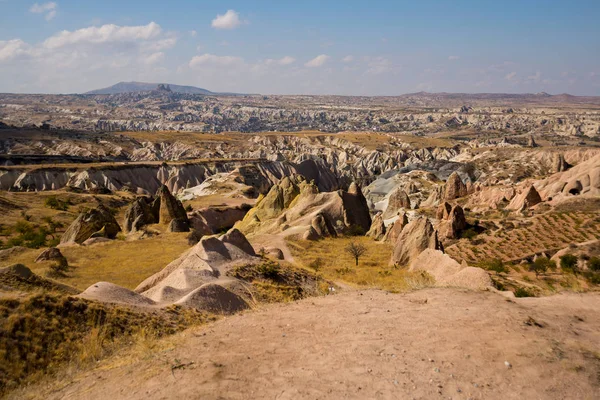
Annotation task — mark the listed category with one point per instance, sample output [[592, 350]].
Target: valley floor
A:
[[433, 343]]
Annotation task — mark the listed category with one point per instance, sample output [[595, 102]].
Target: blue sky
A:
[[303, 47]]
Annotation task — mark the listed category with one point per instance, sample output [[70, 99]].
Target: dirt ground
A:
[[428, 344]]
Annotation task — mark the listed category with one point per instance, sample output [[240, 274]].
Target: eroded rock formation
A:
[[89, 223], [415, 237]]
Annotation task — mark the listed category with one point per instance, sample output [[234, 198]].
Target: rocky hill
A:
[[135, 87]]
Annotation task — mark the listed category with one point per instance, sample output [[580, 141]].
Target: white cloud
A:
[[453, 58], [46, 8], [318, 61], [86, 58], [154, 58], [348, 59], [229, 20], [158, 44], [287, 60], [510, 76], [12, 49], [104, 34], [213, 60], [193, 33]]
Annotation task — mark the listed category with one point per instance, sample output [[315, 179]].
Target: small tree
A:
[[541, 265], [356, 250], [568, 262]]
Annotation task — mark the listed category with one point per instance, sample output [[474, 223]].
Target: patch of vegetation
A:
[[568, 263], [20, 281], [594, 264], [496, 265], [55, 203], [592, 277], [28, 235], [524, 292], [541, 265], [43, 331], [275, 282], [355, 230], [374, 270], [124, 263]]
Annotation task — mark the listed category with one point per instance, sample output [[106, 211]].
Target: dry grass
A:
[[14, 204], [329, 258], [369, 140], [45, 332], [124, 263]]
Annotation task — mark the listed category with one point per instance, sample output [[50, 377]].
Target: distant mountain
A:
[[133, 87]]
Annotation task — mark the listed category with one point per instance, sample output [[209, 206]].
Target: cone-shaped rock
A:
[[417, 236]]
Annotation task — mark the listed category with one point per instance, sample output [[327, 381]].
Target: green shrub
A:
[[541, 265], [29, 235], [523, 292], [56, 204], [594, 264], [355, 230], [592, 277], [568, 262], [23, 227], [269, 270]]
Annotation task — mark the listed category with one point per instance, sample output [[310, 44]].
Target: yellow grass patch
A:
[[328, 256], [124, 263]]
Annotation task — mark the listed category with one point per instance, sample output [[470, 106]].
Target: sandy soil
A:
[[430, 344]]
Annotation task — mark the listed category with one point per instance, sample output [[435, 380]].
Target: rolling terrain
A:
[[299, 246]]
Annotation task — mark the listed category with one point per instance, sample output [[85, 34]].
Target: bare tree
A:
[[355, 250]]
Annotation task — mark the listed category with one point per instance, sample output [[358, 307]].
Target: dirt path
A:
[[430, 344]]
